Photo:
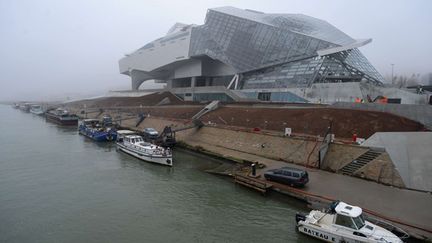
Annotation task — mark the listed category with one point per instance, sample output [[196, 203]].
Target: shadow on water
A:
[[105, 146]]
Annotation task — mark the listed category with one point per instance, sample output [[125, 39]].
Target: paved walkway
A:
[[409, 207]]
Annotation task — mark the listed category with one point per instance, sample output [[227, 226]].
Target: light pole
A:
[[392, 72]]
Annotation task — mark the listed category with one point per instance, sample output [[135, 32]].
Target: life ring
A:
[[168, 161]]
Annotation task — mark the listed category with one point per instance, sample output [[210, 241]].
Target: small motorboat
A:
[[25, 107], [343, 223], [97, 131], [133, 144]]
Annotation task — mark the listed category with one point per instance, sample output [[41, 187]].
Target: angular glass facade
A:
[[279, 50], [258, 53], [248, 45]]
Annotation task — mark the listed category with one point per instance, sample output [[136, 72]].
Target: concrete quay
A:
[[410, 210]]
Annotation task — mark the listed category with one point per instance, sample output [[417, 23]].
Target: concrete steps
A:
[[359, 162]]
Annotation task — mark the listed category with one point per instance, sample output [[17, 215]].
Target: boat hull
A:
[[62, 121], [102, 136], [161, 160], [319, 233], [39, 113]]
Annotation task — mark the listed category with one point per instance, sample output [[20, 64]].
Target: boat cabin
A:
[[136, 140], [91, 123], [121, 134], [348, 216], [107, 121], [61, 112]]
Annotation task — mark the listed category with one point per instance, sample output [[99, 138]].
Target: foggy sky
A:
[[53, 48]]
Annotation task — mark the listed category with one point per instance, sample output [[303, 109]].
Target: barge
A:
[[92, 128], [61, 117]]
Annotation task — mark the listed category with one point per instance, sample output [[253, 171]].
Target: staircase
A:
[[210, 107], [359, 162]]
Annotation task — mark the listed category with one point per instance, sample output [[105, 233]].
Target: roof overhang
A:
[[356, 44]]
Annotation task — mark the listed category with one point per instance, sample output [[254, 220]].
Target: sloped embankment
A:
[[314, 121]]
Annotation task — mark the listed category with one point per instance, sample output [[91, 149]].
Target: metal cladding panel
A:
[[358, 61], [288, 75], [270, 50], [161, 52], [248, 45], [299, 23], [191, 68]]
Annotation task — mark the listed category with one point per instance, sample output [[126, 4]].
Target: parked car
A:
[[288, 175], [150, 134]]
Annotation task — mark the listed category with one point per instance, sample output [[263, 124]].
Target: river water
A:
[[58, 186]]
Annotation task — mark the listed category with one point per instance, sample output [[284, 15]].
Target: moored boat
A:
[[134, 145], [343, 223], [61, 117], [93, 129], [25, 107], [36, 109]]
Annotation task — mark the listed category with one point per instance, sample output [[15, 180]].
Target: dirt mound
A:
[[161, 98], [167, 112], [314, 121]]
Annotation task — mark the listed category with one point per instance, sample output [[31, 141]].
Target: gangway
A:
[[168, 136], [100, 111]]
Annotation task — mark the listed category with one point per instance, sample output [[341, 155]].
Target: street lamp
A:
[[392, 79]]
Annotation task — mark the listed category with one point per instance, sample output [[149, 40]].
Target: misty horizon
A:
[[53, 49]]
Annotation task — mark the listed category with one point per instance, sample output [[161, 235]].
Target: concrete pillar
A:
[[193, 82], [136, 83], [169, 84]]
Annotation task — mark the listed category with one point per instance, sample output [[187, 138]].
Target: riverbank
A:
[[395, 205]]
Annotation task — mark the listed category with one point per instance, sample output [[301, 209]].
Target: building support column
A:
[[169, 84], [136, 83], [193, 83], [235, 81]]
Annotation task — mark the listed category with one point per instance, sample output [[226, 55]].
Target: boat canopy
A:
[[348, 210], [134, 136], [90, 120], [125, 132]]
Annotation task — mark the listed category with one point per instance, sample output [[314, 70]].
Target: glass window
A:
[[359, 221], [345, 221], [288, 173]]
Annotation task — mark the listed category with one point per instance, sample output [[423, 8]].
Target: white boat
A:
[[36, 109], [343, 223], [133, 144]]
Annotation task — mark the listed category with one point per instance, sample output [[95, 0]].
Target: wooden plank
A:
[[251, 186]]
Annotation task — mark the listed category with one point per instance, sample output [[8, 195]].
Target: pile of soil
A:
[[166, 98], [313, 121], [179, 112]]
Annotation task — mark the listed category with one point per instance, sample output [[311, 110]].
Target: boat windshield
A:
[[359, 221]]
